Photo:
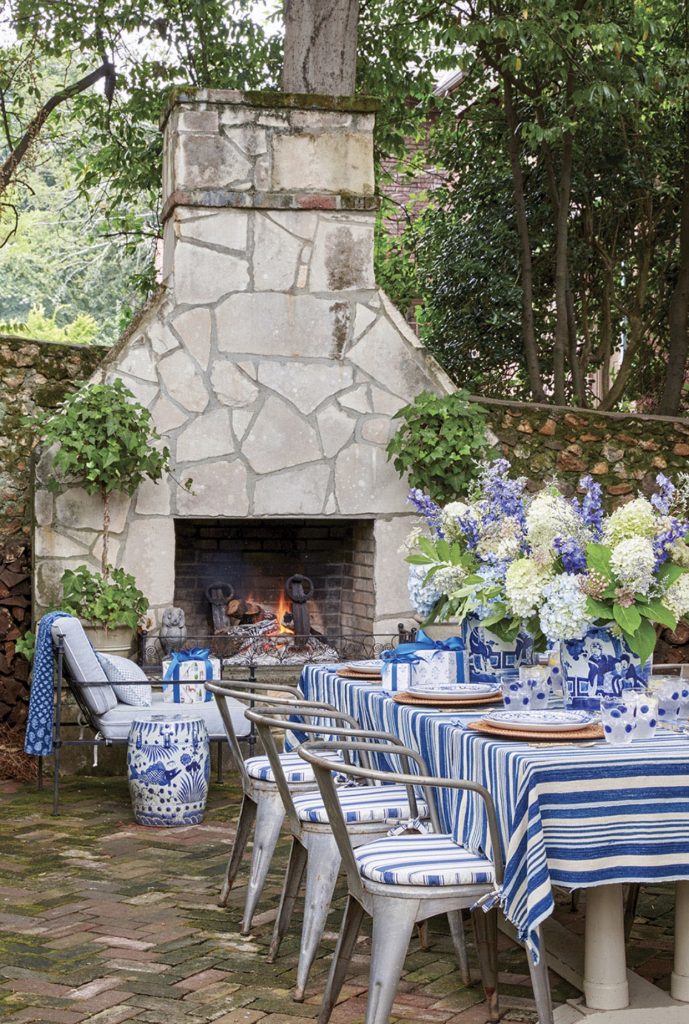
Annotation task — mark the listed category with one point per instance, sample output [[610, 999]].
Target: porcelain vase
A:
[[600, 664], [168, 766], [489, 655]]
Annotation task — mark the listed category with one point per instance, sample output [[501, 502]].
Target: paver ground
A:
[[105, 921]]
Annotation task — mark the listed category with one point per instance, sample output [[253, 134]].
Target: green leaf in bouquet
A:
[[598, 609], [656, 611], [669, 573], [499, 612], [428, 548], [443, 550], [628, 619], [419, 560], [643, 641], [598, 559]]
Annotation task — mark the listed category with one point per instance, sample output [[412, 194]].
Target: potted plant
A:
[[111, 606], [106, 440]]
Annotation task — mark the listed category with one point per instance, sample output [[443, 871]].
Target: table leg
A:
[[605, 970], [679, 986]]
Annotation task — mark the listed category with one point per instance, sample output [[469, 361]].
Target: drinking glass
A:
[[537, 679], [668, 691], [645, 713], [619, 722]]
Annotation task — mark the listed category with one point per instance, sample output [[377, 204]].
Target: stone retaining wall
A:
[[624, 453]]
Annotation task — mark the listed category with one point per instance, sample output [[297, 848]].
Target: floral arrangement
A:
[[553, 566]]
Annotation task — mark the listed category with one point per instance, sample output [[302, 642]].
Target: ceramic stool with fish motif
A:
[[168, 766]]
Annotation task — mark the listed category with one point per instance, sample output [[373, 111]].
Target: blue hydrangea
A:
[[423, 596]]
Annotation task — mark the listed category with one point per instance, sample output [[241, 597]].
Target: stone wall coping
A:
[[575, 410], [268, 98], [16, 341], [251, 200]]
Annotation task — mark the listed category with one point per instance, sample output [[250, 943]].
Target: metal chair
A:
[[262, 806], [408, 878], [370, 810]]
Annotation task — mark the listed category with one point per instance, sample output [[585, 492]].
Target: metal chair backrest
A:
[[312, 752], [312, 723]]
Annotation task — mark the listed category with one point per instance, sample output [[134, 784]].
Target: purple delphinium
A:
[[502, 497], [662, 500], [427, 508], [591, 507], [677, 530], [470, 528], [571, 553]]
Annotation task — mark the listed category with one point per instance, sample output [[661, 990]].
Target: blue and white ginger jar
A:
[[489, 655], [600, 664]]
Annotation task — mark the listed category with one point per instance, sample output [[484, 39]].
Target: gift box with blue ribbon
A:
[[184, 674], [425, 663]]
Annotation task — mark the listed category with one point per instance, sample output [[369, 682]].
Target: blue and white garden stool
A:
[[168, 766]]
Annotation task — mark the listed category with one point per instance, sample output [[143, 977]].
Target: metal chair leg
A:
[[486, 929], [219, 752], [321, 878], [393, 924], [454, 918], [630, 908], [290, 891], [351, 923], [270, 814], [540, 983], [422, 930], [247, 816]]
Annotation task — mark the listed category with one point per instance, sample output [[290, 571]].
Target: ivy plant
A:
[[440, 443], [107, 440], [109, 600]]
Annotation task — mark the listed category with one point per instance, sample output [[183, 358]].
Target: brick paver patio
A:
[[105, 921]]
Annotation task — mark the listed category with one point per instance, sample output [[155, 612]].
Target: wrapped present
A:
[[184, 675], [425, 664]]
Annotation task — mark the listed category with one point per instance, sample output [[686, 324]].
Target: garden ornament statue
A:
[[173, 630]]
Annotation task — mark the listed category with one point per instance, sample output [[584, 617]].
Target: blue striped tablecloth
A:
[[568, 815]]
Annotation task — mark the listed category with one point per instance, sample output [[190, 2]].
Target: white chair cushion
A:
[[115, 724], [360, 804], [122, 672], [422, 860], [84, 667], [294, 767]]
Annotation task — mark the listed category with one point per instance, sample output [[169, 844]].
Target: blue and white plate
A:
[[366, 665], [541, 721], [456, 691]]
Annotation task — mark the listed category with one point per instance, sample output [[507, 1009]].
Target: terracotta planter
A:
[[120, 640]]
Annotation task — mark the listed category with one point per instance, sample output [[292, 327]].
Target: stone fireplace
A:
[[272, 365]]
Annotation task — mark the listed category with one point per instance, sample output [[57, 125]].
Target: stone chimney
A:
[[269, 359]]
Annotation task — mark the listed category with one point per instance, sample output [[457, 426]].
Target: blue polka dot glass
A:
[[618, 719]]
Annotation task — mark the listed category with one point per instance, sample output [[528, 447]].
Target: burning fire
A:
[[283, 608]]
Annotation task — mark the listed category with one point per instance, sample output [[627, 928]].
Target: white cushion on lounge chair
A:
[[83, 666], [115, 723]]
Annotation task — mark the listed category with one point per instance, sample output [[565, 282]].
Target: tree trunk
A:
[[320, 46], [528, 327], [679, 304]]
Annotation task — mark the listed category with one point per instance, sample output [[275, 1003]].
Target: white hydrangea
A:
[[676, 597], [637, 518], [563, 615], [448, 519], [500, 541], [633, 563], [550, 516], [449, 578], [524, 583], [410, 543]]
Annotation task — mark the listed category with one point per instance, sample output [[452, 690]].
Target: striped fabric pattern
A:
[[568, 815], [422, 860], [361, 804], [294, 767]]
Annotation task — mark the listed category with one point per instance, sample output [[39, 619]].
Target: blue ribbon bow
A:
[[406, 653], [194, 654]]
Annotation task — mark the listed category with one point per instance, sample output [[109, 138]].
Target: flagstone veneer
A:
[[269, 359]]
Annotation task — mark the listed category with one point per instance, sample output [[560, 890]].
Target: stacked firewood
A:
[[15, 619]]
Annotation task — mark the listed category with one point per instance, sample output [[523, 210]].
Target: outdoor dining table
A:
[[571, 814]]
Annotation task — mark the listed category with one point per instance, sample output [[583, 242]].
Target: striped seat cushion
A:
[[422, 860], [360, 804], [294, 767]]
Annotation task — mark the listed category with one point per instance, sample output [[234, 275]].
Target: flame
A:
[[284, 606]]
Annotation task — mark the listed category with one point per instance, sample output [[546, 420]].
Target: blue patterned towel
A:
[[39, 725]]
